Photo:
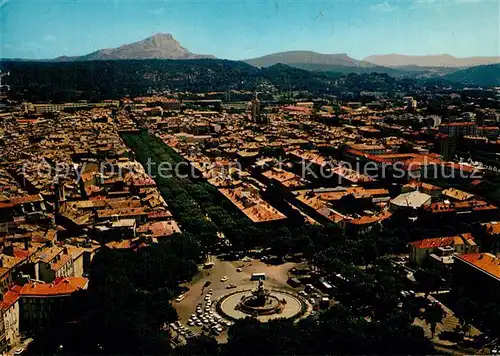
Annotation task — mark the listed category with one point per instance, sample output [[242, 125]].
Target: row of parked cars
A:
[[182, 330], [207, 318]]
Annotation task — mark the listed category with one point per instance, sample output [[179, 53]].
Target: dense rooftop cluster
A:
[[69, 184]]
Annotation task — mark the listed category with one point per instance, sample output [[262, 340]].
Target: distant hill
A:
[[396, 72], [158, 46], [440, 60], [307, 57], [342, 63], [486, 76]]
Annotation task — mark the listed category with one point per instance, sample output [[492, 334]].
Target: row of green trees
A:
[[201, 210]]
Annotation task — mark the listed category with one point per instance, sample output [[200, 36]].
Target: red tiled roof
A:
[[433, 242], [297, 108], [4, 205], [60, 286], [26, 199], [9, 299], [459, 124]]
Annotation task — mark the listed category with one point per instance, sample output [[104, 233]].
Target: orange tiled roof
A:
[[442, 241], [56, 266], [60, 286], [473, 204], [434, 242], [26, 199], [427, 186], [492, 228], [370, 219], [160, 228], [484, 261]]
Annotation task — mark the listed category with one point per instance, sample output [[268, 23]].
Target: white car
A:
[[190, 322], [225, 278], [18, 351], [198, 323], [180, 298]]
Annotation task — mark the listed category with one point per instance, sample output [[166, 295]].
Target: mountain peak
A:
[[162, 35], [158, 46]]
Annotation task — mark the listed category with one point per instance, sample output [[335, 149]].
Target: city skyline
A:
[[42, 30]]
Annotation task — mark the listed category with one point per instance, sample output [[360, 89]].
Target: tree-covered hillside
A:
[[94, 80], [487, 76]]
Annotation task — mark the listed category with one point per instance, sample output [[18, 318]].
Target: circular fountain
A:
[[261, 303]]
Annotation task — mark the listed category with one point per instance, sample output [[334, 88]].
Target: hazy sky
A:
[[241, 29]]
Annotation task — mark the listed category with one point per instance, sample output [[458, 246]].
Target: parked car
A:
[[207, 283]]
